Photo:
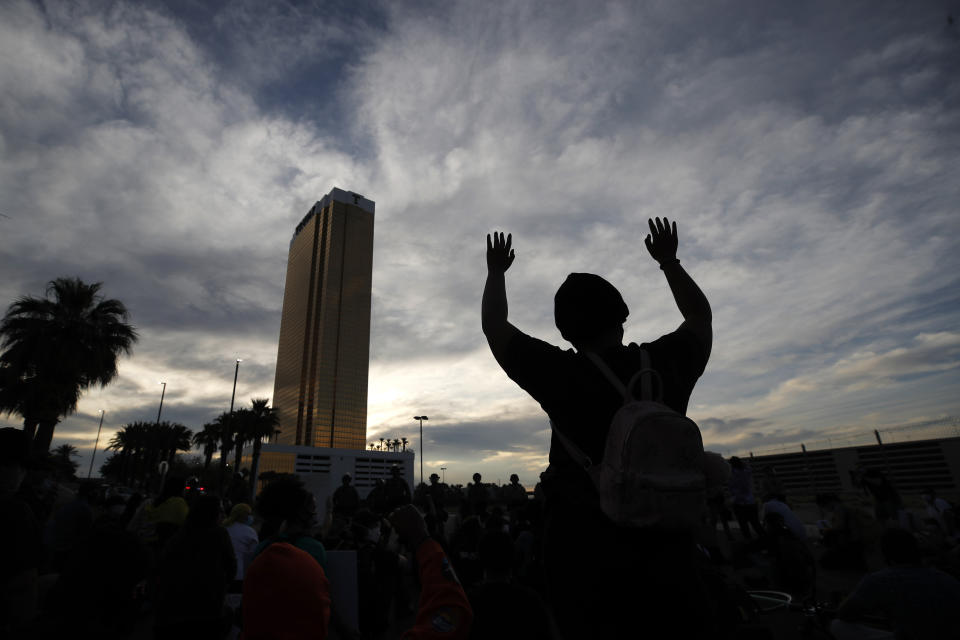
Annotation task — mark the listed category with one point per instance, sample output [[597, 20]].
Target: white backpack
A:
[[653, 461]]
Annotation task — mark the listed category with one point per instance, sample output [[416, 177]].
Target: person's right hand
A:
[[499, 254]]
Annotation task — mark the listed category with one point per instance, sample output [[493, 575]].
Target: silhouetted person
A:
[[514, 494], [157, 520], [377, 498], [21, 551], [917, 601], [346, 500], [289, 514], [396, 489], [886, 499], [244, 539], [741, 493], [196, 566], [843, 535], [478, 495], [630, 572], [503, 609]]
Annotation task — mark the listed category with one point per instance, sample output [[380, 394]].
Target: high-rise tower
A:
[[320, 389]]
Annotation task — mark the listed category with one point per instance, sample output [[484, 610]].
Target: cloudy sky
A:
[[808, 151]]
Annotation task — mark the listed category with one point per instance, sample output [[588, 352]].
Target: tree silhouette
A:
[[56, 347]]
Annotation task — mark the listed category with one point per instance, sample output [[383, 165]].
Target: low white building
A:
[[322, 469]]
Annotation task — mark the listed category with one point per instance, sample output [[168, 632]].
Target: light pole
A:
[[421, 419], [443, 476], [95, 443], [162, 393], [236, 372]]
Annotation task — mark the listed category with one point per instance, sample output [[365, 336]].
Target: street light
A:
[[95, 443], [236, 372], [443, 476], [162, 393], [421, 419]]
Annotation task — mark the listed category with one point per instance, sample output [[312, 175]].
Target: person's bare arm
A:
[[693, 305], [493, 312]]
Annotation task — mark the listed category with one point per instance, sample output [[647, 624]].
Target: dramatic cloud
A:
[[806, 151]]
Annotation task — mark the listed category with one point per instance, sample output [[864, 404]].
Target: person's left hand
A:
[[500, 255]]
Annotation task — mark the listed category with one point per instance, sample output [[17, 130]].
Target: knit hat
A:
[[239, 513], [586, 305]]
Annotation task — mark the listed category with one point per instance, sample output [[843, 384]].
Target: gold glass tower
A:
[[320, 389]]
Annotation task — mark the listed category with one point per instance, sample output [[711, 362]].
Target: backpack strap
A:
[[646, 388], [575, 452]]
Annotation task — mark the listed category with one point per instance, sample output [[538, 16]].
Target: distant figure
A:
[[940, 511], [744, 504], [195, 568], [478, 496], [633, 575], [918, 602], [778, 504], [397, 489], [243, 537], [377, 498], [514, 494], [886, 499], [346, 500]]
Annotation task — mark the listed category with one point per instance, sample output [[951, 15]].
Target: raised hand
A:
[[662, 241], [499, 252]]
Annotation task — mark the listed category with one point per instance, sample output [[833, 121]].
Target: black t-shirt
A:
[[579, 398]]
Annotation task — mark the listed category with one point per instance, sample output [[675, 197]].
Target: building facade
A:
[[320, 388]]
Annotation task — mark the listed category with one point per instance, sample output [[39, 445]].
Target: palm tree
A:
[[209, 439], [380, 448], [63, 457], [263, 425], [404, 442], [56, 347], [396, 444]]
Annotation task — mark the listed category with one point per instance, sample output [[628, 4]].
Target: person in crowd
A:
[[718, 513], [378, 573], [196, 566], [514, 494], [478, 495], [778, 504], [887, 505], [843, 535], [396, 489], [443, 610], [939, 510], [916, 601], [502, 608], [69, 525], [744, 504], [377, 498], [157, 520], [286, 595], [289, 514], [97, 594], [437, 515], [243, 537], [21, 550], [346, 500], [592, 599]]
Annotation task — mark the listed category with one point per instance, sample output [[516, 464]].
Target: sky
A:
[[808, 152]]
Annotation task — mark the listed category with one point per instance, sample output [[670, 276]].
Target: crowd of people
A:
[[620, 538]]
